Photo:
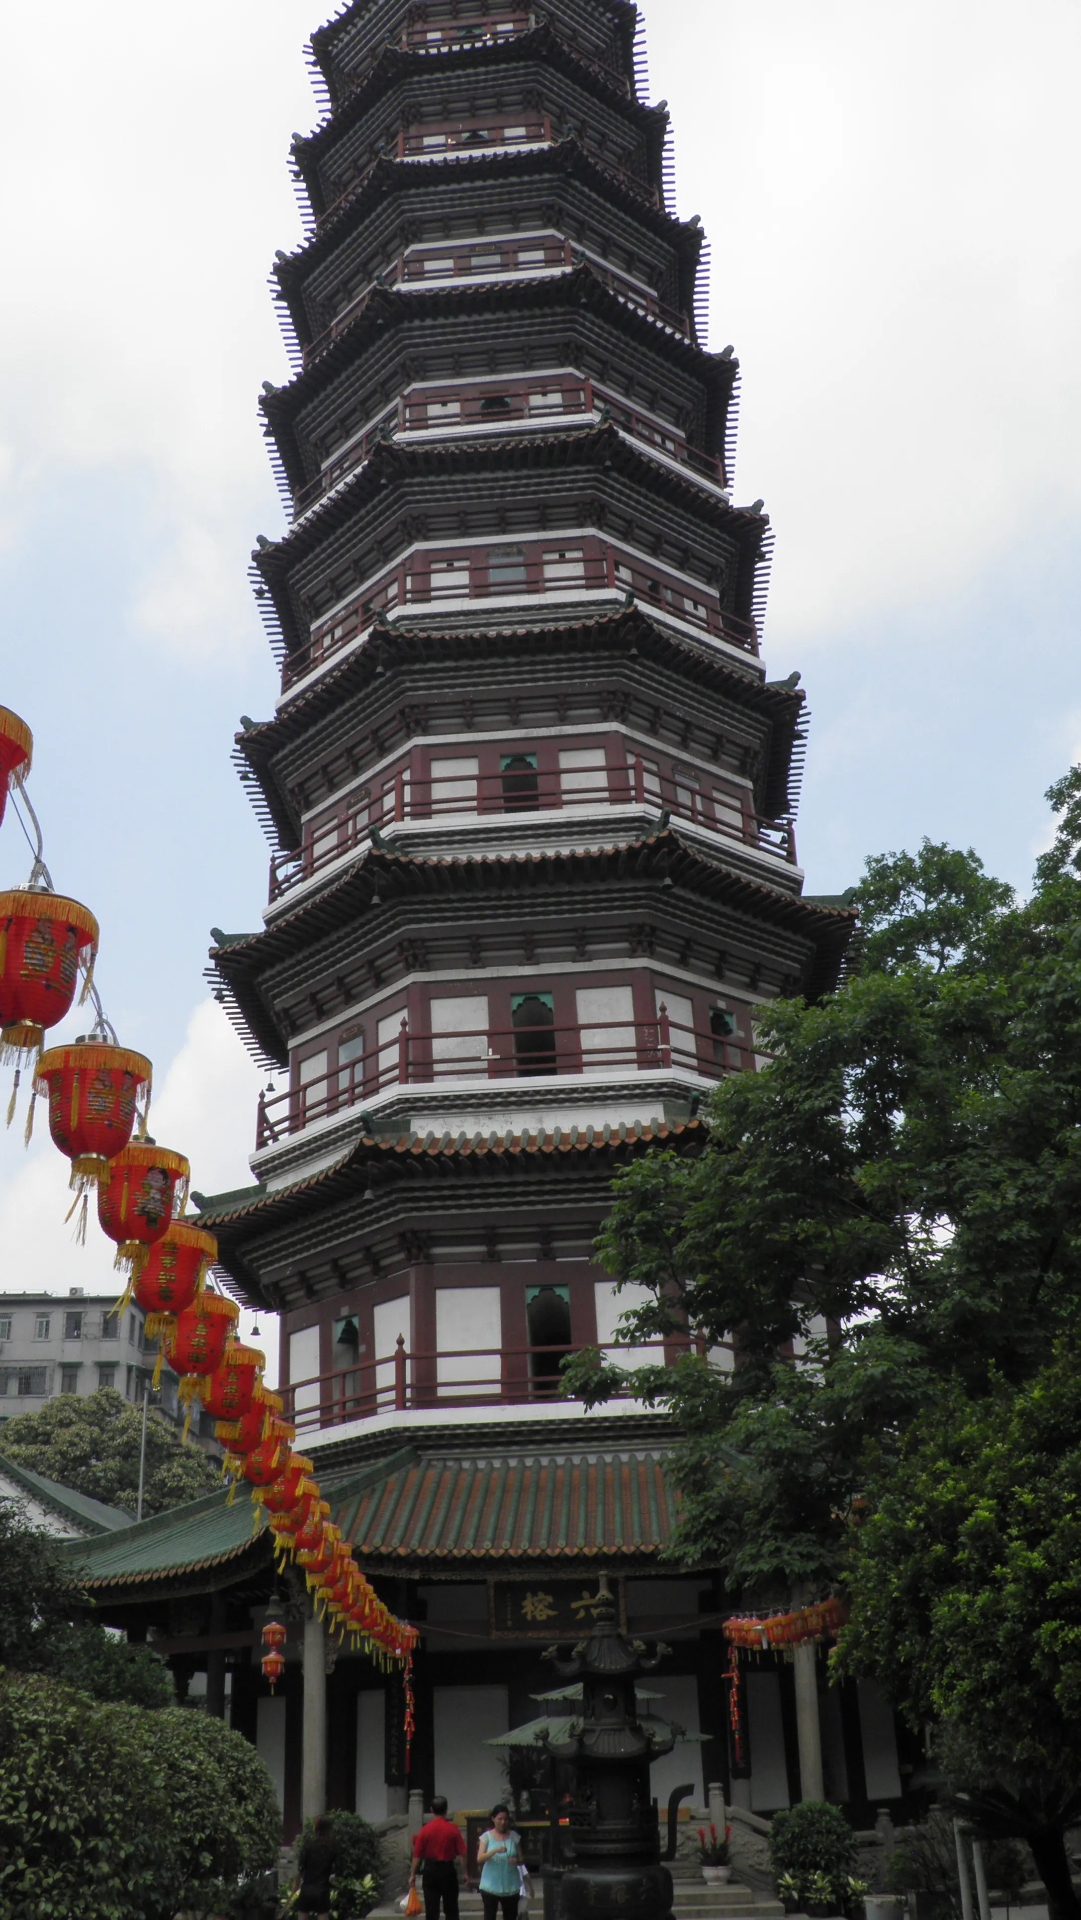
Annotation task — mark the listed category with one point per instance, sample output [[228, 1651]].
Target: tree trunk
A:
[[1049, 1852]]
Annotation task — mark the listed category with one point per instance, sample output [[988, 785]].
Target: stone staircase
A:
[[692, 1900]]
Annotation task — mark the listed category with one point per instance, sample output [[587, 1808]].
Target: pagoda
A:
[[529, 791]]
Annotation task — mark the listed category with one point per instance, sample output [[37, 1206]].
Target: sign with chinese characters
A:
[[544, 1609]]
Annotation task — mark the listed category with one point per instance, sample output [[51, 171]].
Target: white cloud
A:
[[205, 1106]]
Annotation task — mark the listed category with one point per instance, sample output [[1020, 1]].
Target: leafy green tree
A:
[[39, 1588], [98, 1663], [91, 1443], [966, 1602]]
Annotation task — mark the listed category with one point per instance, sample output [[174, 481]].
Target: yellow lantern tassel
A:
[[79, 1205], [28, 1133], [187, 1424], [157, 1367], [14, 1096]]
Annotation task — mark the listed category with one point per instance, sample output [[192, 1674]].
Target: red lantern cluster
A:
[[273, 1636], [93, 1088], [764, 1632]]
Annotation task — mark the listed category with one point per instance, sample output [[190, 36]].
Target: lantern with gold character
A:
[[93, 1090], [142, 1189]]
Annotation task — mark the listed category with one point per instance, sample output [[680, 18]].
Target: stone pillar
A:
[[805, 1667], [715, 1797], [313, 1750], [416, 1810]]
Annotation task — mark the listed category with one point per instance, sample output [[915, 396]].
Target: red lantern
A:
[[290, 1488], [92, 1089], [138, 1196], [42, 938], [227, 1392], [195, 1344], [264, 1462], [16, 748], [309, 1534], [238, 1437], [273, 1638], [172, 1274]]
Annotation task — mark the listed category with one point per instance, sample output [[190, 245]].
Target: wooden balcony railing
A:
[[467, 796], [450, 1378], [457, 580], [483, 1055]]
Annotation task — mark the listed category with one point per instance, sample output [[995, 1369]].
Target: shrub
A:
[[813, 1851], [925, 1861], [108, 1812], [110, 1669]]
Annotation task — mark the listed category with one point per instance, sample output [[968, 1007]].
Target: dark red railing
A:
[[404, 1379], [499, 1053], [405, 798], [567, 403], [463, 578]]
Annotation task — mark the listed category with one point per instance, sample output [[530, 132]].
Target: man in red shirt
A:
[[437, 1848]]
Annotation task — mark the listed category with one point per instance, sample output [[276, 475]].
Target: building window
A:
[[506, 569], [133, 1330], [5, 1326], [548, 1318], [107, 1375], [533, 1020], [722, 1026], [521, 788], [110, 1326], [42, 1326], [351, 1059], [30, 1383], [69, 1379], [73, 1326]]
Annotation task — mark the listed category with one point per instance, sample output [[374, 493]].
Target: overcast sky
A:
[[890, 191]]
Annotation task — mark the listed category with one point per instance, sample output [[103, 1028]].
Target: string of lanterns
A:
[[98, 1095], [767, 1632]]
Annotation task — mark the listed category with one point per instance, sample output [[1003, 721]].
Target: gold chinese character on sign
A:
[[587, 1604], [538, 1606]]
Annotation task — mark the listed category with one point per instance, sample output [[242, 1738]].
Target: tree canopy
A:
[[91, 1443], [876, 1256]]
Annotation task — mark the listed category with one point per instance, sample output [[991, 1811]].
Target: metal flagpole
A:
[[142, 1451]]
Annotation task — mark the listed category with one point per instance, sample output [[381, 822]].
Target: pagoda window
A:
[[520, 784], [454, 784], [601, 1010], [393, 1043], [468, 1338], [610, 1307], [389, 1319], [459, 1026], [351, 1062], [312, 1086], [548, 1321], [441, 413], [487, 262], [507, 569], [532, 257], [533, 1021], [304, 1370], [729, 811], [546, 400], [583, 775], [324, 843], [496, 403], [449, 580], [722, 1025], [564, 567], [688, 793], [680, 1012]]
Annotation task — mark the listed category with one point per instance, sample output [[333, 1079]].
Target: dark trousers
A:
[[508, 1902], [440, 1882]]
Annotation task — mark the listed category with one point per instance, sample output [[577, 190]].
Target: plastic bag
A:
[[412, 1904]]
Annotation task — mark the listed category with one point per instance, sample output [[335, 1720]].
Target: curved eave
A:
[[388, 175], [588, 446], [388, 306], [260, 746], [470, 880], [398, 64], [412, 1156], [325, 39]]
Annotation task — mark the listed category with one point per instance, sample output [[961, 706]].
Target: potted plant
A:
[[713, 1855]]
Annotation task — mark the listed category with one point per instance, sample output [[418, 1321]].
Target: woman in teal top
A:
[[503, 1876]]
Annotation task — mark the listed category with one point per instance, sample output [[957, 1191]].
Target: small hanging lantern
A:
[[227, 1393], [144, 1187], [93, 1089], [16, 749], [290, 1488], [43, 938], [195, 1343], [273, 1635]]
